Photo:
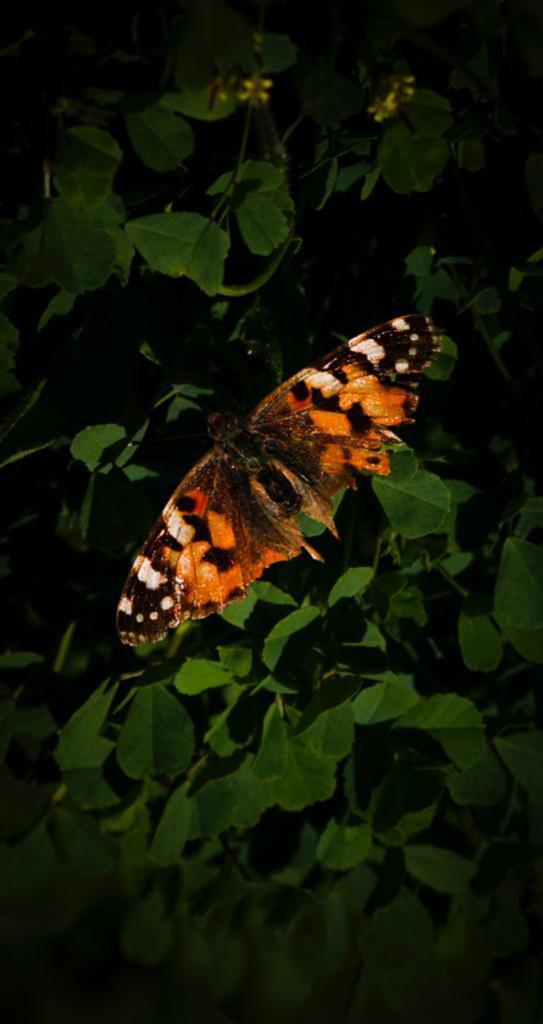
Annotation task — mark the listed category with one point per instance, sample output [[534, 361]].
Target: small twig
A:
[[451, 580], [237, 290], [239, 162], [481, 327]]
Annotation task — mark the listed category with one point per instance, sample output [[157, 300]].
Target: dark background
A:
[[233, 928]]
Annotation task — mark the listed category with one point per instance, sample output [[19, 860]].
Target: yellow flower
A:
[[390, 98], [255, 89], [221, 88]]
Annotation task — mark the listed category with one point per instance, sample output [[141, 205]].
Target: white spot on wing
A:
[[139, 617], [413, 337], [167, 602], [325, 381], [181, 531], [153, 616], [399, 324], [151, 577], [401, 365], [125, 605], [412, 351], [370, 348]]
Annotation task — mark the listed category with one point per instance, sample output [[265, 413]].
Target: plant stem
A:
[[239, 162], [481, 327], [451, 580], [236, 290]]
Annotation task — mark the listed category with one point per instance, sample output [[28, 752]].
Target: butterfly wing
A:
[[218, 532], [335, 417]]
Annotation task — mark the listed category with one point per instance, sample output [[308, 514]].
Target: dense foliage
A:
[[324, 804]]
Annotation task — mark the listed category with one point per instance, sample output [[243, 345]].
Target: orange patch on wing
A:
[[231, 580], [270, 555], [375, 462], [298, 402], [387, 406], [200, 499], [331, 422], [220, 528], [337, 458]]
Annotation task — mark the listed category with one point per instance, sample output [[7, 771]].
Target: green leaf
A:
[[253, 176], [260, 203], [237, 613], [487, 302], [398, 943], [445, 362], [329, 696], [519, 586], [236, 799], [343, 847], [328, 97], [332, 733], [234, 727], [277, 52], [522, 754], [236, 660], [199, 674], [433, 283], [157, 736], [60, 305], [405, 791], [370, 182], [8, 284], [30, 874], [114, 511], [89, 160], [408, 825], [160, 137], [534, 179], [383, 702], [82, 750], [451, 720], [268, 592], [173, 829], [146, 934], [91, 444], [528, 642], [271, 761], [352, 582], [441, 869], [411, 158], [308, 778], [11, 660], [277, 637], [7, 720], [176, 244], [80, 254], [89, 850], [415, 501], [262, 222], [483, 784], [480, 641], [199, 103]]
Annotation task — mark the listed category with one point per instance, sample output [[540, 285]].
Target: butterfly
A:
[[235, 513]]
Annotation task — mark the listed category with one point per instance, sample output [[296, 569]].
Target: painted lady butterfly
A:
[[234, 513]]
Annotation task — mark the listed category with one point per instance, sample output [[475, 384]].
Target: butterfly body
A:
[[235, 513]]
